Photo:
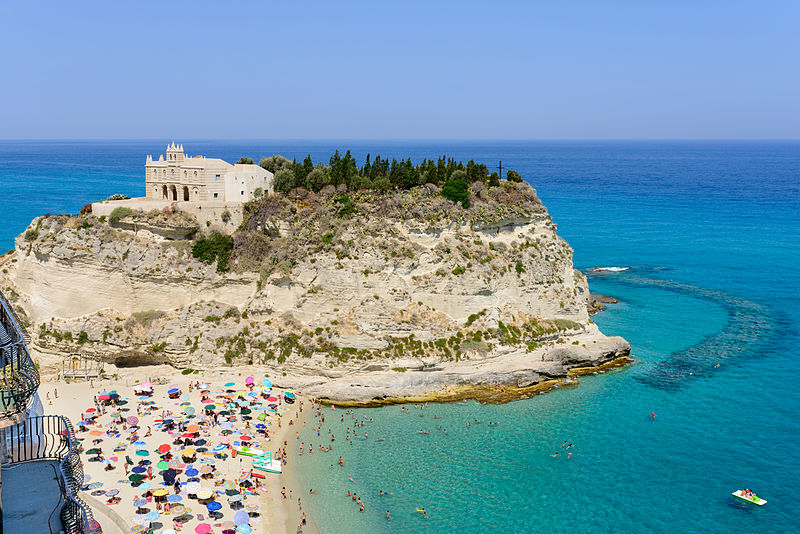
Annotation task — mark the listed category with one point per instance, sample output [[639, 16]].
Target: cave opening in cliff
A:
[[137, 360]]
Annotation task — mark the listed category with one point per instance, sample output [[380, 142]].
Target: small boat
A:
[[266, 463], [247, 451], [751, 497]]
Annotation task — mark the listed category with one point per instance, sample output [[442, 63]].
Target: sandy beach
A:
[[133, 435]]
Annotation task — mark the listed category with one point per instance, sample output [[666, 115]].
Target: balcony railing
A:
[[19, 378], [51, 437]]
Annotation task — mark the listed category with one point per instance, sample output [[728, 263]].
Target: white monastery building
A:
[[200, 179]]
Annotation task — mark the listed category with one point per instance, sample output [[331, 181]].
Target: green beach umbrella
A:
[[262, 416], [93, 451], [136, 477], [210, 407], [142, 452], [163, 464], [246, 411]]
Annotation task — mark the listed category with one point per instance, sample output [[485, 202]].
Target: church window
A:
[[216, 195], [218, 176]]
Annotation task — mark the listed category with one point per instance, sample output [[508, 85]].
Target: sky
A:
[[400, 70]]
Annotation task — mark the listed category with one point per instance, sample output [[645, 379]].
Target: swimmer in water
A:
[[563, 443], [388, 516], [653, 415], [380, 438], [554, 455], [569, 455]]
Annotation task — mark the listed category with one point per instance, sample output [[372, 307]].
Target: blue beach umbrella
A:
[[244, 529], [139, 469], [140, 502], [213, 506], [142, 452], [140, 443], [174, 498], [241, 518], [229, 385], [152, 516], [144, 486], [267, 383], [192, 472]]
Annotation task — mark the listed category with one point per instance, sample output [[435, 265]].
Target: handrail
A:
[[19, 378], [51, 437], [18, 326]]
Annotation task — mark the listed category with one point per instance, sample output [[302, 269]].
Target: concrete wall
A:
[[208, 214]]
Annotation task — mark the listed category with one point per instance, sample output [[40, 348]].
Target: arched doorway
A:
[[185, 193], [164, 193], [174, 193]]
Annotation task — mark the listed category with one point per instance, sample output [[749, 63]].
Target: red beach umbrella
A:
[[164, 448]]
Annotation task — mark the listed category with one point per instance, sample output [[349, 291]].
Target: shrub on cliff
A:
[[119, 213], [214, 247], [456, 191]]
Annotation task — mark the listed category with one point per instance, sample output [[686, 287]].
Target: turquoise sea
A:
[[710, 232]]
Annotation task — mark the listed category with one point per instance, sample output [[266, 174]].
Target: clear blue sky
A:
[[411, 70]]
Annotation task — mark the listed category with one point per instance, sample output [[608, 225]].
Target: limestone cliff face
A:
[[401, 281]]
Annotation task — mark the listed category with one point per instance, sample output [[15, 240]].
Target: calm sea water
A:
[[711, 233]]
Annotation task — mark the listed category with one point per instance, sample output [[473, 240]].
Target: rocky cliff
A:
[[356, 296]]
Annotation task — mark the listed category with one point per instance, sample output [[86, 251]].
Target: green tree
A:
[[457, 190], [246, 161], [513, 176], [284, 180]]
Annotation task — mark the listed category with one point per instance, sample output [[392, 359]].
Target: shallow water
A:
[[711, 232]]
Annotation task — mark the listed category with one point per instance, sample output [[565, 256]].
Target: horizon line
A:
[[408, 139]]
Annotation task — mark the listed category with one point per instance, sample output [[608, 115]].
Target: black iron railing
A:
[[19, 378], [51, 437]]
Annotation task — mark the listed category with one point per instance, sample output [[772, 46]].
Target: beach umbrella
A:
[[137, 529], [144, 486], [209, 407], [140, 443], [136, 478], [159, 492], [193, 487], [227, 524], [164, 448], [163, 464], [244, 529], [272, 399], [93, 451], [152, 516], [95, 433], [252, 507], [262, 417], [229, 384], [248, 380], [261, 426], [200, 442], [241, 518], [169, 476], [192, 472], [132, 420], [172, 391], [179, 509], [224, 440], [138, 503], [245, 438], [139, 519], [246, 411], [188, 452], [192, 428], [234, 498], [213, 506], [142, 452], [174, 498], [202, 528], [112, 492], [175, 463], [252, 394], [189, 410], [139, 469], [91, 410], [184, 397], [104, 397], [204, 493]]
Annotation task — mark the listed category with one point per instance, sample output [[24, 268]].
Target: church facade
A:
[[177, 177]]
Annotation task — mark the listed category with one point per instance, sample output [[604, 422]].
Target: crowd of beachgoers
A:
[[197, 456]]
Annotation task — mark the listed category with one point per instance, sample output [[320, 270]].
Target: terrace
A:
[[19, 379], [43, 459]]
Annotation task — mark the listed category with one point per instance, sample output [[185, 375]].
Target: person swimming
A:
[[554, 455]]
